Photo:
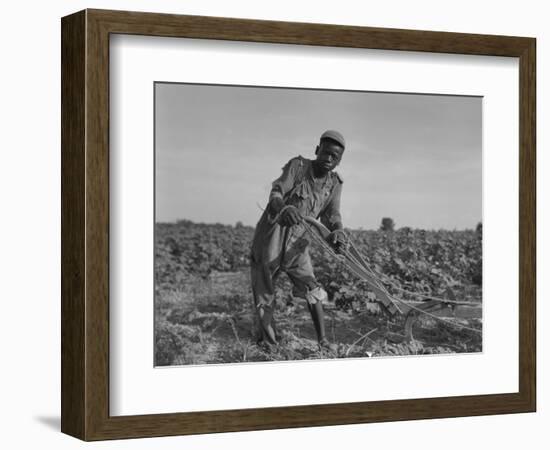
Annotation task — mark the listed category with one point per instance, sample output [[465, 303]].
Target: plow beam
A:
[[438, 309]]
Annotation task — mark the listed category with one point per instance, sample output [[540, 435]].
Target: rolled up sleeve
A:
[[285, 182]]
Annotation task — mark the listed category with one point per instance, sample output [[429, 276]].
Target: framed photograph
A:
[[272, 225]]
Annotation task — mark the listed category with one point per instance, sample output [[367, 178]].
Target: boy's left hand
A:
[[338, 239]]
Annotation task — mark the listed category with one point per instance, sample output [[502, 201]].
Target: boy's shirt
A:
[[318, 198]]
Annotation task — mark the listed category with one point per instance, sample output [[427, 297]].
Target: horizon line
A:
[[176, 221]]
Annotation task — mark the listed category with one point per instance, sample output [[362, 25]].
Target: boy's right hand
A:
[[290, 216]]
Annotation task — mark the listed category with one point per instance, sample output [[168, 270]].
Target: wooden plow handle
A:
[[359, 268], [411, 310]]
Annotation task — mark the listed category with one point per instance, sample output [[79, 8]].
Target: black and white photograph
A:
[[253, 225], [304, 224]]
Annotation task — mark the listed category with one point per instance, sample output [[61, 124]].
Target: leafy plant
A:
[[204, 304]]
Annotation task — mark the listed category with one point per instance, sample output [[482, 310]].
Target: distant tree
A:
[[387, 224], [405, 230], [239, 224], [479, 228]]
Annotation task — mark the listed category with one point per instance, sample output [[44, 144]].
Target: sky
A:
[[416, 158]]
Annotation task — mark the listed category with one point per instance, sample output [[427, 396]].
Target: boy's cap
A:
[[335, 136]]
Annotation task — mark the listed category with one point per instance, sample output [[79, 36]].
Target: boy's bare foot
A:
[[266, 346], [324, 344]]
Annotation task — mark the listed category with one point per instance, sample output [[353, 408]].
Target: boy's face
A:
[[329, 154]]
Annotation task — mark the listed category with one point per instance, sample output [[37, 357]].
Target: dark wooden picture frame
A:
[[85, 224]]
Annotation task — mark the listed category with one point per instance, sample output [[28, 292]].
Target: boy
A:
[[305, 188]]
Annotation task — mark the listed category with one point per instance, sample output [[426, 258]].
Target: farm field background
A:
[[204, 308]]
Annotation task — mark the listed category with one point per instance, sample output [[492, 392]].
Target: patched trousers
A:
[[280, 249]]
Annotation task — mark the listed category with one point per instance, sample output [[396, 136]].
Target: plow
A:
[[445, 309]]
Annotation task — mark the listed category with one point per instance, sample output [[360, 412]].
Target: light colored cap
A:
[[335, 136]]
